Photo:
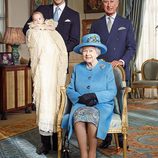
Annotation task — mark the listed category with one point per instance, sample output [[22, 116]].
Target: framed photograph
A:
[[93, 6], [6, 58], [86, 25]]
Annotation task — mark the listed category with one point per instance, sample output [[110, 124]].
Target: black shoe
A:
[[42, 150], [121, 145], [105, 143]]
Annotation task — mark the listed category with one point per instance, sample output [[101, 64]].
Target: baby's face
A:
[[38, 19]]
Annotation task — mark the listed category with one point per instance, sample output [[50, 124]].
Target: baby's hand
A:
[[49, 27]]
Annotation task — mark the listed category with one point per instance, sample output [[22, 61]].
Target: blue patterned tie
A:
[[56, 14]]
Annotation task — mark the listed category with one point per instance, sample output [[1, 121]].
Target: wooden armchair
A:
[[149, 76], [119, 123], [63, 99]]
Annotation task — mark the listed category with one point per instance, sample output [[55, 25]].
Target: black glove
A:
[[89, 99], [92, 102]]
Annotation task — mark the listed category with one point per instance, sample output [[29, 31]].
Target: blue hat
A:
[[91, 40]]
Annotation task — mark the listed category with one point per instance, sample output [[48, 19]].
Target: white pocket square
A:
[[67, 20], [121, 28]]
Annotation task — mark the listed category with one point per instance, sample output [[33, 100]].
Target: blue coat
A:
[[100, 80], [120, 41], [68, 24]]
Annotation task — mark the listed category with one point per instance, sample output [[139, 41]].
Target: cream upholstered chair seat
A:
[[115, 123]]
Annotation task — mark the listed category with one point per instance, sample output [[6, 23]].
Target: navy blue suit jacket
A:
[[120, 41], [68, 24]]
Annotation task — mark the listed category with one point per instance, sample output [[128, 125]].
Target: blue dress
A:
[[99, 80]]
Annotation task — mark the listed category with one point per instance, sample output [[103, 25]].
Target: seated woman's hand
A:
[[89, 99], [92, 102]]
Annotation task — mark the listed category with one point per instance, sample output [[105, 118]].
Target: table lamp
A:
[[14, 37]]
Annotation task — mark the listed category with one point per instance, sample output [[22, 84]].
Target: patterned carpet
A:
[[24, 122], [142, 134], [24, 146], [142, 137]]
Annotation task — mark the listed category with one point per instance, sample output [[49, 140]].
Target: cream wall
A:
[[79, 6], [19, 12]]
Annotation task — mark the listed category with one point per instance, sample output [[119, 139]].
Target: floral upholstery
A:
[[116, 122]]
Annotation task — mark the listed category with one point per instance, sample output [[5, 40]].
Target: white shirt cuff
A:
[[122, 62]]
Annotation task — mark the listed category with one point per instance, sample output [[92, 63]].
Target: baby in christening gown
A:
[[38, 22], [48, 66]]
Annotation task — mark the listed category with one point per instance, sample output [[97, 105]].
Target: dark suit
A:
[[120, 41], [120, 44], [68, 24]]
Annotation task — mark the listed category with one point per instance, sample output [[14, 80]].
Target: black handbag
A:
[[65, 147]]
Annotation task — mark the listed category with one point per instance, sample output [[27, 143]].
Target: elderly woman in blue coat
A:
[[91, 90]]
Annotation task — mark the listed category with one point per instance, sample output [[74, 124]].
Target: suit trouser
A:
[[109, 137], [46, 141]]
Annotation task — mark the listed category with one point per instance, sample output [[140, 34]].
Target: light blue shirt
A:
[[61, 8]]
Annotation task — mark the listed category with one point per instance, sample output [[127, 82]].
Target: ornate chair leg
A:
[[143, 93], [124, 145], [138, 93]]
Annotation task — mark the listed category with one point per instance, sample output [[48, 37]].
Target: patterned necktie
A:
[[109, 24], [56, 14]]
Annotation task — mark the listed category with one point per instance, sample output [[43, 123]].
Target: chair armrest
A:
[[61, 107], [125, 109]]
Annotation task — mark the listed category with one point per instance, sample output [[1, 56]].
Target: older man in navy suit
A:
[[69, 28], [117, 34]]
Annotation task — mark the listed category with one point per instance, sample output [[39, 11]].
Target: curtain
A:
[[148, 47], [125, 7], [134, 11]]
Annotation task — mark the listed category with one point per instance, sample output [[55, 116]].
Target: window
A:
[[3, 21]]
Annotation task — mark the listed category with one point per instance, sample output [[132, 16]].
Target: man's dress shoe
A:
[[42, 150], [105, 144], [121, 145]]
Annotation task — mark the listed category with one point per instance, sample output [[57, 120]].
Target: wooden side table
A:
[[15, 89]]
